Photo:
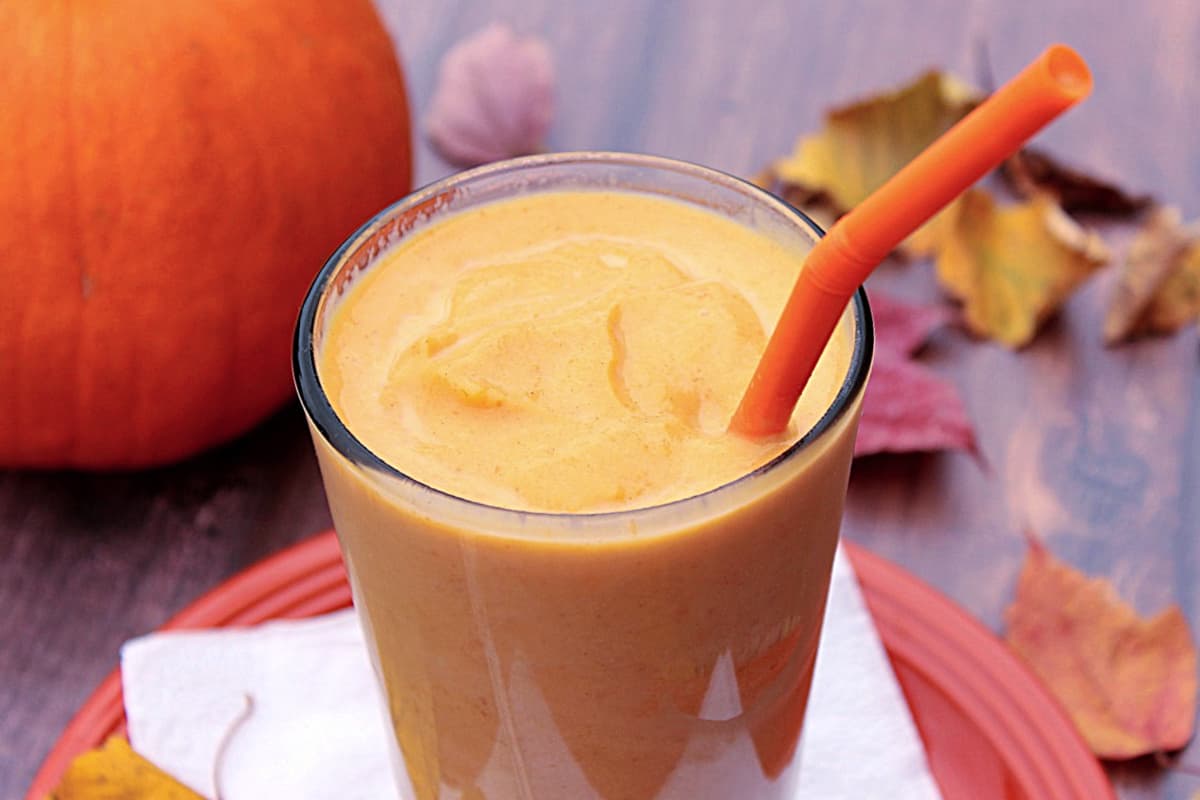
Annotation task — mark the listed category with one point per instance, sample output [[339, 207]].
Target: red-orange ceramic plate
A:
[[990, 729]]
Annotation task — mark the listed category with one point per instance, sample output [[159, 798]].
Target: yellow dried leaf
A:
[[1013, 267], [115, 772], [1158, 290], [865, 143]]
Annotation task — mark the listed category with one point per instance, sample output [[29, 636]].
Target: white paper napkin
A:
[[317, 729]]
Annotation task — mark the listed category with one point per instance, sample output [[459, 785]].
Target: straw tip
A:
[[1068, 71]]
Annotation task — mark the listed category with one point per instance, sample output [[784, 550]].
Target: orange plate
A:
[[990, 729]]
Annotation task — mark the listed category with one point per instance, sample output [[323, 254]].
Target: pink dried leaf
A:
[[908, 408], [494, 98], [901, 327]]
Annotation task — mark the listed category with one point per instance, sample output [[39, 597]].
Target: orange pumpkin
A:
[[172, 176]]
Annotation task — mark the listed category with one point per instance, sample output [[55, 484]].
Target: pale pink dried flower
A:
[[494, 98]]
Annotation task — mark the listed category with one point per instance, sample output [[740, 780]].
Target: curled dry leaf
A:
[[1158, 290], [1128, 683], [115, 772], [1031, 172], [1013, 267], [494, 98], [865, 143], [907, 407]]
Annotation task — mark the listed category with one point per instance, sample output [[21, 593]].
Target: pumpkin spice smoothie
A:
[[575, 582]]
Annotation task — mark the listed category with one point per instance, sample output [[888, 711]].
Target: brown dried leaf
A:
[[1178, 302], [115, 772], [1128, 683], [1013, 267], [1158, 290], [815, 204], [1031, 172]]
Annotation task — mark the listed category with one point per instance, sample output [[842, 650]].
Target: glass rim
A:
[[338, 435]]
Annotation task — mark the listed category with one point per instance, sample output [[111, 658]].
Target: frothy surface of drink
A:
[[567, 351]]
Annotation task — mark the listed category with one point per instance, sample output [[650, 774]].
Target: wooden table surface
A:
[[1097, 450]]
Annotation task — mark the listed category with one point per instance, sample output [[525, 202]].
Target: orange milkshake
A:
[[575, 583]]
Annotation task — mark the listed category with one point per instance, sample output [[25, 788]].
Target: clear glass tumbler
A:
[[664, 652]]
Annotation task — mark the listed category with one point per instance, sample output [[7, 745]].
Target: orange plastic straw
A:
[[856, 243]]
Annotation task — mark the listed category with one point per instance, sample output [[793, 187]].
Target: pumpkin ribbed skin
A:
[[172, 176]]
